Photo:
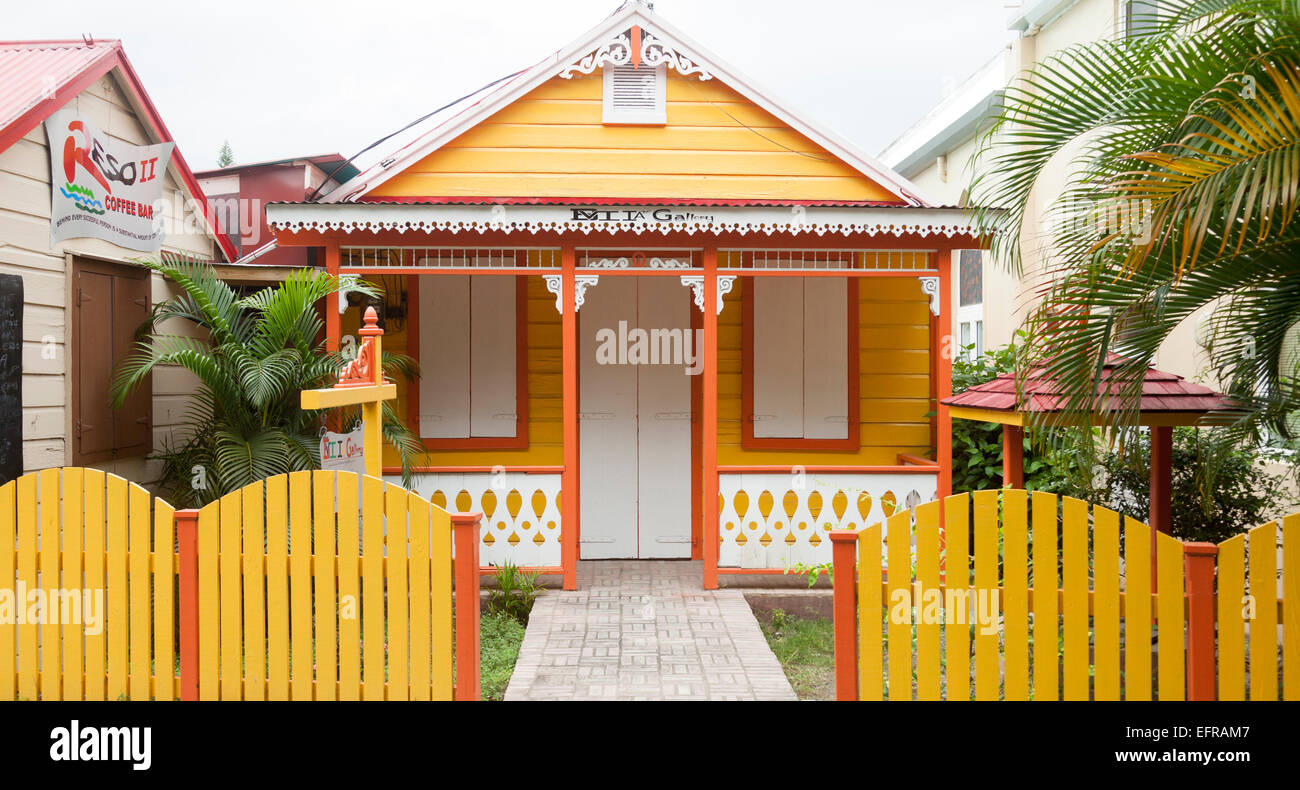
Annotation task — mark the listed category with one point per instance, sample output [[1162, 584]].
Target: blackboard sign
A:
[[11, 377]]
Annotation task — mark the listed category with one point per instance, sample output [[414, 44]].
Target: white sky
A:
[[280, 78]]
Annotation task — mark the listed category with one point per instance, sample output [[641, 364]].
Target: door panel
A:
[[635, 422], [607, 423], [664, 423]]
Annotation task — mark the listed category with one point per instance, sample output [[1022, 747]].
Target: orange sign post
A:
[[362, 382]]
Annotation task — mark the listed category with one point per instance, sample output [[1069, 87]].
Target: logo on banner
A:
[[343, 452], [102, 188]]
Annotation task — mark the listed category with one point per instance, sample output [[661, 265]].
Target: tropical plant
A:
[[251, 355], [1182, 153], [514, 592]]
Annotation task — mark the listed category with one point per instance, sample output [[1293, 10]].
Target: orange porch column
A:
[[709, 454], [1013, 456], [332, 326], [570, 533], [943, 262]]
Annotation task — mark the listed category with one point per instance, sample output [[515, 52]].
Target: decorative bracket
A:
[[930, 286], [696, 283], [555, 283], [638, 47]]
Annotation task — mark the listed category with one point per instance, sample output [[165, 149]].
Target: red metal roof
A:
[[618, 201], [37, 78], [1161, 392]]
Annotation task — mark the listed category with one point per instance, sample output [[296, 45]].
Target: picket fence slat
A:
[[986, 581], [440, 534], [277, 588], [254, 625], [1170, 618], [300, 578], [349, 589], [8, 549], [209, 604], [870, 647], [395, 518], [956, 512], [372, 589], [165, 683], [48, 579], [70, 533], [898, 544], [1046, 623], [1106, 645], [1015, 573], [93, 509], [140, 533], [1232, 622], [1137, 610], [116, 518], [1262, 561], [1291, 607], [1074, 614], [928, 666], [324, 600]]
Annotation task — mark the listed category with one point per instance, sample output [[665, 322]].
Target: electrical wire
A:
[[316, 192]]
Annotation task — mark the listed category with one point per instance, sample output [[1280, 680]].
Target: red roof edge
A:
[[115, 57], [619, 201]]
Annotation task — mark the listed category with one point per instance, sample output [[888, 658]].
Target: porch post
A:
[[332, 327], [569, 373], [943, 262], [1162, 449], [1013, 456], [709, 489]]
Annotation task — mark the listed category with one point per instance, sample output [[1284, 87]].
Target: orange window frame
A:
[[520, 440], [747, 439]]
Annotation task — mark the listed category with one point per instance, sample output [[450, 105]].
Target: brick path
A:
[[642, 630]]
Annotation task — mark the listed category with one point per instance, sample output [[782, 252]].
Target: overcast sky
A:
[[280, 78]]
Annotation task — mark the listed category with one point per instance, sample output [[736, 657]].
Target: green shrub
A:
[[514, 593]]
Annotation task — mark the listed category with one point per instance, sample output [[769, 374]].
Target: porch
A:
[[728, 400]]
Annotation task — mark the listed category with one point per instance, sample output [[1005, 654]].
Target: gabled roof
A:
[[37, 78], [326, 162], [450, 122]]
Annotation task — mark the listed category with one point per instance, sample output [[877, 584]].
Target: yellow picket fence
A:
[[86, 589], [1248, 619], [307, 593], [1060, 602], [313, 585]]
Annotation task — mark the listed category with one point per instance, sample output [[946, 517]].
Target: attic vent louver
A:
[[635, 95]]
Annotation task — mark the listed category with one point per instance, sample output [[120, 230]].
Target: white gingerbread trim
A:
[[617, 51], [930, 286], [547, 218], [696, 283], [581, 282]]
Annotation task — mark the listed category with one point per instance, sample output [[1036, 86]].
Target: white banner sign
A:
[[343, 452], [103, 188]]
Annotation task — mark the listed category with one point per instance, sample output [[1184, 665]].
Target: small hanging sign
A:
[[344, 452]]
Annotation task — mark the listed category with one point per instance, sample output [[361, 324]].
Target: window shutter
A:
[[444, 348], [133, 431], [93, 423], [635, 94]]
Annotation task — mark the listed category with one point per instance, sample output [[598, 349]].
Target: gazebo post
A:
[[1162, 469], [1013, 456]]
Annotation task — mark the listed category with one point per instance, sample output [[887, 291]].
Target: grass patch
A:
[[806, 649], [500, 636]]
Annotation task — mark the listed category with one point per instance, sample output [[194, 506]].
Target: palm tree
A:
[[1184, 179], [251, 356]]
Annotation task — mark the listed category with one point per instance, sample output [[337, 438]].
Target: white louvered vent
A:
[[635, 94]]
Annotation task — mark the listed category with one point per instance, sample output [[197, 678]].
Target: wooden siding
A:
[[25, 250], [551, 143]]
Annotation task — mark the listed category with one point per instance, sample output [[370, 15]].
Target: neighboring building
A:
[[83, 297], [238, 195], [936, 153], [549, 244]]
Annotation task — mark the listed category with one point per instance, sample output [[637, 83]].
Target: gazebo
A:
[[1167, 401]]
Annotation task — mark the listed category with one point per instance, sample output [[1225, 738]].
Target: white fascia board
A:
[[1037, 13], [551, 66]]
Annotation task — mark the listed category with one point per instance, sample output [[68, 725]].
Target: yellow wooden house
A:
[[658, 315]]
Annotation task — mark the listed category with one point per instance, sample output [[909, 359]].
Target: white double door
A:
[[635, 420]]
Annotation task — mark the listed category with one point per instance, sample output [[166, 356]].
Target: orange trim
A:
[[848, 469], [844, 545], [466, 537], [636, 46], [569, 513], [943, 262], [907, 459], [709, 427], [333, 330], [1198, 564], [433, 470], [187, 600], [853, 442], [520, 440], [697, 447]]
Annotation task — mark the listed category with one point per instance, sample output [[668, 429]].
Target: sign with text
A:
[[102, 188], [343, 452]]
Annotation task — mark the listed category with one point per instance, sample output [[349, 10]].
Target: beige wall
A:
[[1007, 297], [25, 250]]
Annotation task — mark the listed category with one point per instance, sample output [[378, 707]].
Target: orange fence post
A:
[[465, 536], [844, 562], [187, 602], [1198, 565]]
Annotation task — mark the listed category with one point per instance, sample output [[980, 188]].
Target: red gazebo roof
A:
[[1162, 392]]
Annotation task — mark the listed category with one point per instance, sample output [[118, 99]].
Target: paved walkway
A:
[[643, 630]]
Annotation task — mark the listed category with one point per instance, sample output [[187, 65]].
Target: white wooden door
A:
[[635, 423]]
